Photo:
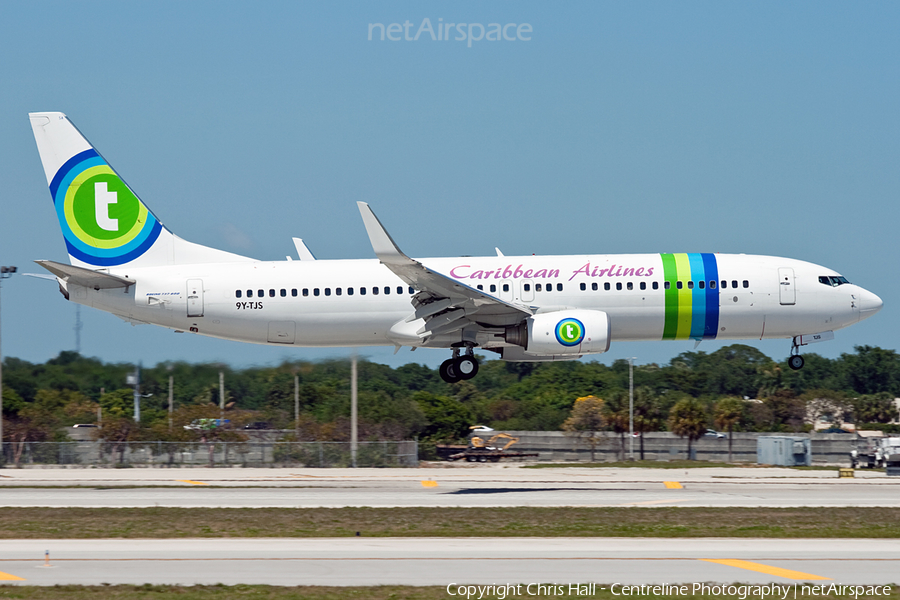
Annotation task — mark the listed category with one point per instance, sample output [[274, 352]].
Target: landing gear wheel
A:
[[466, 367], [796, 362], [449, 372]]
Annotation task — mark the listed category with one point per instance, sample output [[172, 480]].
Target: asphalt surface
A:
[[447, 562], [443, 562], [481, 486]]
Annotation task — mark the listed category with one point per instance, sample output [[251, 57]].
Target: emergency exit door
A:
[[786, 292], [195, 297]]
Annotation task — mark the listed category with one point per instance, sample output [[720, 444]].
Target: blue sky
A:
[[763, 128]]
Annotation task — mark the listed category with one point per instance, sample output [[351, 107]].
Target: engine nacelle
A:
[[568, 332]]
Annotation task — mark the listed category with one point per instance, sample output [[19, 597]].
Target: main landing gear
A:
[[795, 361], [459, 367]]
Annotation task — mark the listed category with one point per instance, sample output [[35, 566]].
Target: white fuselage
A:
[[361, 302]]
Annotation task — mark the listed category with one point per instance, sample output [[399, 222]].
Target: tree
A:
[[647, 413], [728, 413], [585, 420], [687, 419], [874, 408], [616, 416]]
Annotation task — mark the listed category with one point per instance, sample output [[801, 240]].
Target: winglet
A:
[[385, 247]]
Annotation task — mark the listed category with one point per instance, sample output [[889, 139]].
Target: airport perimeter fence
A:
[[222, 454]]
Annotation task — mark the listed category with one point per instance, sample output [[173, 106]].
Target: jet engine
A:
[[563, 332]]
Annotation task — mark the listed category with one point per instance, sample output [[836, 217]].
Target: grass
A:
[[668, 522], [265, 592]]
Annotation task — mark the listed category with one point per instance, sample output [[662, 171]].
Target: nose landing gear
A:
[[795, 361], [459, 367]]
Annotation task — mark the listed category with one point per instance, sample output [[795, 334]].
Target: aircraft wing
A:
[[444, 303]]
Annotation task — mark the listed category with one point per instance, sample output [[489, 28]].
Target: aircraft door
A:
[[786, 292], [527, 293], [195, 297], [506, 291]]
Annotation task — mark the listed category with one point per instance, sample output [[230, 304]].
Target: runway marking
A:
[[727, 562], [191, 482], [429, 483], [760, 568], [673, 485], [8, 577]]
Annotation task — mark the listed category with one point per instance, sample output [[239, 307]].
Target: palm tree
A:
[[688, 419], [728, 413]]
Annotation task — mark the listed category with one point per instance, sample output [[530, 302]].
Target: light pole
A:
[[631, 408], [5, 273]]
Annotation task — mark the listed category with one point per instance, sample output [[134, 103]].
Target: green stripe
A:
[[685, 297], [670, 274]]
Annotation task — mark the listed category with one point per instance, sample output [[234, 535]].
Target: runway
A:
[[483, 486], [442, 562]]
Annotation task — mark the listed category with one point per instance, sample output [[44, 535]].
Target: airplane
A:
[[123, 260]]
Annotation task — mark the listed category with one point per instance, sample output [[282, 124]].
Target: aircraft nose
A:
[[869, 304]]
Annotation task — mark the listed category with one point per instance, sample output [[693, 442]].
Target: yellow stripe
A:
[[685, 300], [8, 577], [759, 568], [429, 484], [673, 485], [191, 482]]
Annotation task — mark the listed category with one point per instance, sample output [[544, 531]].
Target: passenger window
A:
[[305, 292], [283, 293], [690, 285], [505, 287], [315, 291], [643, 285], [294, 292], [349, 291], [412, 292], [668, 285], [375, 291], [237, 293], [724, 284], [387, 290], [362, 291], [655, 285], [271, 293], [712, 284], [630, 285], [480, 287], [399, 289], [702, 284], [493, 288], [606, 286], [679, 284], [619, 286], [746, 283], [261, 293], [337, 292], [558, 287], [527, 287], [594, 286], [537, 287], [327, 291], [734, 283], [249, 293]]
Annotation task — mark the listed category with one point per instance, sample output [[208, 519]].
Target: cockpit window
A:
[[832, 280]]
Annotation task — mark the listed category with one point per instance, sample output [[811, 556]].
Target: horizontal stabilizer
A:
[[85, 277]]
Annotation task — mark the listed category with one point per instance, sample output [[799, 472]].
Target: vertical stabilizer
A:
[[103, 221]]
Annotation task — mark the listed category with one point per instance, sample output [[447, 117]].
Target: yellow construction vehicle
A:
[[479, 450]]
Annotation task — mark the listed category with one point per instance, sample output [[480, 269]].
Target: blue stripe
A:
[[711, 269], [67, 166], [698, 297]]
